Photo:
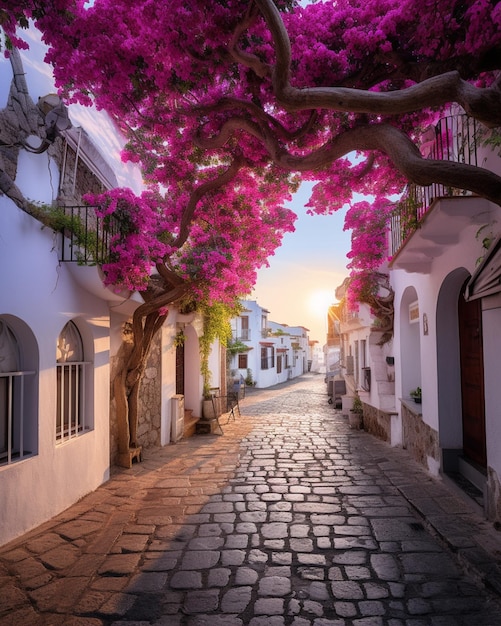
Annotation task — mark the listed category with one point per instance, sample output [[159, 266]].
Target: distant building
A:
[[265, 353]]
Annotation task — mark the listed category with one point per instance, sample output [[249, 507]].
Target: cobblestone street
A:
[[288, 518]]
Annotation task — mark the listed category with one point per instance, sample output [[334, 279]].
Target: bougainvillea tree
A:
[[227, 102]]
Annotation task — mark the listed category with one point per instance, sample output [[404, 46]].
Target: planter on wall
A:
[[355, 420], [346, 404]]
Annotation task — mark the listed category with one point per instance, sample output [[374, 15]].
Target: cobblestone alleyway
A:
[[288, 519]]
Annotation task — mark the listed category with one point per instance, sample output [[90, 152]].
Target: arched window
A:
[[14, 416], [71, 418]]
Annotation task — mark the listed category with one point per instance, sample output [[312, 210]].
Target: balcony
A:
[[245, 334], [454, 138], [86, 237]]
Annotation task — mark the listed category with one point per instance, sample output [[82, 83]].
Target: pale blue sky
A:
[[305, 271]]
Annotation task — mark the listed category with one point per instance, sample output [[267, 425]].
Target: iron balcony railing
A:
[[454, 138], [86, 236]]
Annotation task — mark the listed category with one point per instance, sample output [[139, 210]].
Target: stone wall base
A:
[[377, 422], [418, 438]]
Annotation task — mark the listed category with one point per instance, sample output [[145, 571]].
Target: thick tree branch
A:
[[228, 104], [383, 137], [199, 193], [483, 104]]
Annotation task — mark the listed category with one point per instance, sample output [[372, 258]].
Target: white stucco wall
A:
[[38, 295], [36, 290], [429, 352], [416, 349]]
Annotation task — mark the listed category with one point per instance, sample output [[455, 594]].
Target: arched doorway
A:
[[472, 380], [410, 341], [460, 381], [180, 368]]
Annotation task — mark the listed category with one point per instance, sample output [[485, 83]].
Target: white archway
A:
[[448, 368], [410, 346]]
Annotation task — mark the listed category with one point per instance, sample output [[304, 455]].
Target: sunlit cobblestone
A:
[[288, 519]]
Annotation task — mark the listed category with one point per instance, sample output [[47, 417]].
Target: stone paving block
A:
[[301, 545], [236, 600], [186, 580], [147, 582], [246, 576], [347, 590], [305, 558], [318, 591], [269, 606], [316, 608], [118, 604], [26, 569], [327, 520], [219, 577], [232, 557], [246, 528], [75, 529], [430, 564], [200, 559], [218, 507], [211, 620], [206, 543], [160, 561], [40, 545], [257, 556], [130, 543], [299, 530], [345, 609], [59, 595], [119, 565], [348, 543], [92, 601], [312, 573], [11, 597], [274, 586], [201, 601], [275, 530], [27, 616]]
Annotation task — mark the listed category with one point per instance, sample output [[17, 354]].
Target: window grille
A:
[[267, 358], [12, 417], [70, 401], [71, 413]]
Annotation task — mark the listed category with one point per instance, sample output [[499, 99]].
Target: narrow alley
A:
[[288, 518]]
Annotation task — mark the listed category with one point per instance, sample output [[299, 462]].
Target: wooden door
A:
[[472, 379], [180, 369]]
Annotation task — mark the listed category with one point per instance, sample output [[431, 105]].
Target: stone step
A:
[[190, 423]]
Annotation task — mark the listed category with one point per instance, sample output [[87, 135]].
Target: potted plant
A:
[[211, 404], [356, 413], [248, 379], [415, 394]]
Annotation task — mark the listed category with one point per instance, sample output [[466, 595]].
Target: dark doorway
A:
[[180, 369], [472, 380]]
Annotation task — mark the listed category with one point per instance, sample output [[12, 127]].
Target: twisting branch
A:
[[200, 192], [228, 104], [483, 104], [388, 139]]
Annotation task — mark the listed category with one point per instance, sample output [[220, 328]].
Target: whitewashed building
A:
[[446, 339], [270, 353], [61, 330]]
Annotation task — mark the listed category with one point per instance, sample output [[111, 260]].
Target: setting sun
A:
[[319, 301]]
